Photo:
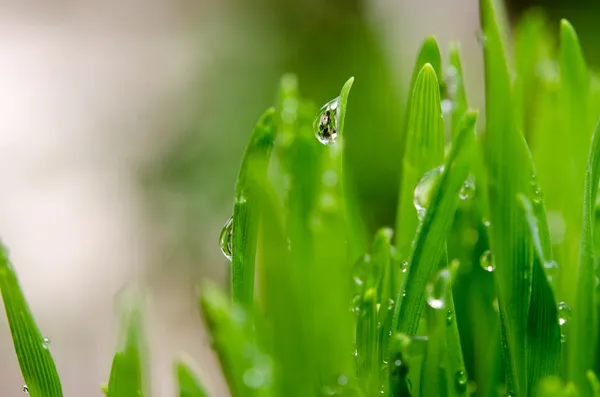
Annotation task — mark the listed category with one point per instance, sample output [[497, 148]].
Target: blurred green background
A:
[[122, 129]]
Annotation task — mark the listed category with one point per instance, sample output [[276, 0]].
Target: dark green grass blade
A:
[[127, 376], [245, 211], [189, 383], [429, 244], [509, 171], [424, 151], [247, 370], [35, 359], [458, 95], [584, 323]]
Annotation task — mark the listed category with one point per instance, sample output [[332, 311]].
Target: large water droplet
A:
[[437, 288], [468, 189], [326, 122], [25, 389], [487, 262], [564, 313], [424, 189], [460, 380], [226, 238]]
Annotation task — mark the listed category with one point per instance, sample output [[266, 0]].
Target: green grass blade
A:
[[429, 53], [429, 244], [127, 376], [584, 322], [35, 359], [455, 89], [245, 211], [189, 383], [424, 151]]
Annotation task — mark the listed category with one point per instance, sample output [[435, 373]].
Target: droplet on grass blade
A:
[[436, 289], [46, 342], [226, 238], [424, 189], [355, 303], [460, 380], [487, 262], [564, 313], [468, 189], [449, 317], [326, 123], [552, 270], [364, 272]]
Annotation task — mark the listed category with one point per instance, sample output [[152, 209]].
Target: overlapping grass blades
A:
[[36, 362], [189, 383]]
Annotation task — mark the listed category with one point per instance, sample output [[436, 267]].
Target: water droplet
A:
[[486, 223], [424, 189], [25, 389], [226, 238], [460, 381], [404, 266], [564, 313], [391, 304], [487, 262], [326, 122], [446, 107], [355, 303], [552, 270], [364, 273], [46, 342], [468, 189], [437, 288], [563, 337], [449, 317]]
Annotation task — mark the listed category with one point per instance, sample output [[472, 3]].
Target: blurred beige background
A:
[[92, 94]]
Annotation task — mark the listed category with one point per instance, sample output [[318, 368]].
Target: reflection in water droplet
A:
[[424, 189], [460, 381], [564, 313], [468, 189], [25, 389], [326, 122], [487, 262], [449, 317], [437, 288], [226, 238]]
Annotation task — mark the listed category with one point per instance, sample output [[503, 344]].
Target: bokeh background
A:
[[122, 125]]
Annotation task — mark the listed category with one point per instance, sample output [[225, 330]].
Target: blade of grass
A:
[[583, 329], [429, 243], [457, 92], [35, 359], [245, 211], [189, 383]]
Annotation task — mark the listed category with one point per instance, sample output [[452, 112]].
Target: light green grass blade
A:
[[428, 53], [245, 211], [127, 376], [584, 323], [35, 359], [456, 91], [424, 151], [189, 383], [429, 245], [509, 173]]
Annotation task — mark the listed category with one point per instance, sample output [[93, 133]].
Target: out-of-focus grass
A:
[[488, 285]]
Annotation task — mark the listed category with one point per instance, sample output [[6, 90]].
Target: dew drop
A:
[[460, 381], [226, 238], [364, 272], [424, 189], [46, 342], [468, 189], [25, 389], [437, 288], [487, 262], [564, 313], [391, 304], [355, 303], [326, 122], [449, 317], [486, 223], [404, 266], [552, 270]]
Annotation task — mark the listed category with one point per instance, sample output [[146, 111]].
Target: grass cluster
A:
[[485, 286]]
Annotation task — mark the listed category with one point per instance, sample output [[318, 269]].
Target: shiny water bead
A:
[[449, 317], [326, 123], [564, 313], [468, 189], [364, 272], [460, 381], [436, 289], [226, 238], [487, 262], [424, 190], [25, 389]]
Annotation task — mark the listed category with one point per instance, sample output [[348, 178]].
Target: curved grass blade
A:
[[127, 376], [245, 211], [189, 383], [584, 322], [35, 359], [248, 371], [424, 151], [429, 245], [455, 89]]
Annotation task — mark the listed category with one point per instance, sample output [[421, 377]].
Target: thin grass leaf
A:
[[584, 325], [455, 89], [37, 366], [189, 383], [429, 53], [245, 211], [429, 244], [127, 376], [424, 151]]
